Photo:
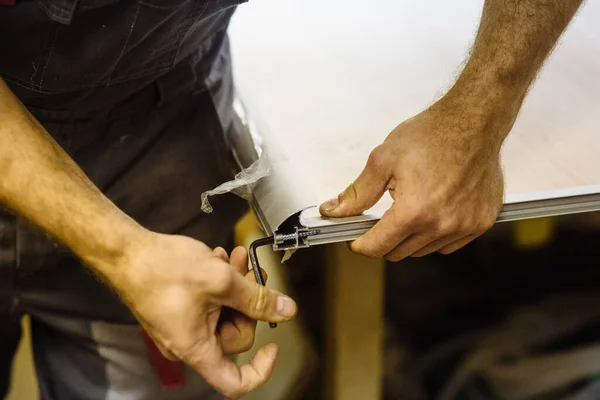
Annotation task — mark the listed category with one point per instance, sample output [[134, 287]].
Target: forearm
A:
[[514, 39], [41, 182]]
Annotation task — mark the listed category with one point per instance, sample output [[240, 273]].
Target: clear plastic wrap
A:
[[242, 185]]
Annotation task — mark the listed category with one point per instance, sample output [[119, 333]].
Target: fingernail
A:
[[331, 204], [286, 307]]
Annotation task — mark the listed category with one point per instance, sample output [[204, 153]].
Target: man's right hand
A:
[[176, 287]]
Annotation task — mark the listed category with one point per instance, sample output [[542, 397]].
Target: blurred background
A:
[[514, 315]]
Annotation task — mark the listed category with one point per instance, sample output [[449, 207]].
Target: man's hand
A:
[[178, 289], [445, 179], [176, 286], [442, 167]]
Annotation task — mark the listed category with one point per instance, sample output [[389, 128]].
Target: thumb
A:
[[258, 302], [364, 192]]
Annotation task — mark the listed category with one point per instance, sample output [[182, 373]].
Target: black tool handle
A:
[[256, 266]]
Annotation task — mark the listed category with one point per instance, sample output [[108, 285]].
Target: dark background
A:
[[438, 302]]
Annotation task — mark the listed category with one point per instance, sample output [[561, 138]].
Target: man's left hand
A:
[[442, 168]]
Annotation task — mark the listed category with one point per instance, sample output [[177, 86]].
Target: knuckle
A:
[[367, 252], [193, 355], [487, 223], [247, 343], [261, 300], [377, 159], [395, 214], [423, 217], [446, 226], [351, 192], [233, 393], [222, 281], [477, 224], [418, 255], [390, 258], [419, 216], [445, 251], [365, 249], [394, 258], [370, 252]]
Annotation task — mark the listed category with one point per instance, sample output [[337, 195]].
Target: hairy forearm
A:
[[39, 181], [514, 39]]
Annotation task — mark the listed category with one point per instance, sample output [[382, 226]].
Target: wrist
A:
[[118, 240], [485, 110]]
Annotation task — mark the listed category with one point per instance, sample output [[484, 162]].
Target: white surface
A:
[[332, 78]]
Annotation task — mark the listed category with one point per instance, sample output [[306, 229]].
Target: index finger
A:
[[225, 376], [239, 259], [385, 235]]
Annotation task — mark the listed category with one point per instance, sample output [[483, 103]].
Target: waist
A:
[[194, 74], [107, 51]]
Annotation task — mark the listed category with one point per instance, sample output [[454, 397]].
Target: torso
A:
[[59, 54]]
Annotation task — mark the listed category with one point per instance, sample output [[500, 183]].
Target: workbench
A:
[[328, 80]]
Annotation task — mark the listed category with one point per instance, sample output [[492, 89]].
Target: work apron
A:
[[139, 94]]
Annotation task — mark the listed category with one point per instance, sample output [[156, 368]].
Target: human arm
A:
[[175, 286], [442, 167]]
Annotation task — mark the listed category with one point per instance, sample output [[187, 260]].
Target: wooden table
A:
[[331, 79]]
